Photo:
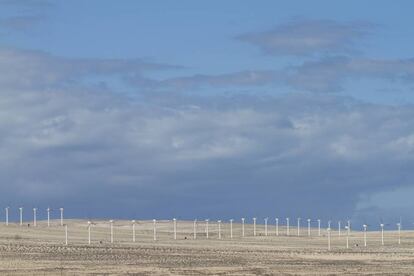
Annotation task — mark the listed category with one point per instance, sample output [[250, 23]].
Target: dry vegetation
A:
[[41, 251]]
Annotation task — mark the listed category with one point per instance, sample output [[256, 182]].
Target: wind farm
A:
[[184, 247]]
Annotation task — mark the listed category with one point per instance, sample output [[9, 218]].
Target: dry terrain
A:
[[41, 250]]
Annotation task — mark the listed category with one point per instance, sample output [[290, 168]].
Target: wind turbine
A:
[[34, 216], [242, 219], [382, 233], [339, 228], [154, 224], [66, 234], [265, 221], [319, 227], [89, 232], [277, 226], [175, 228], [133, 230], [399, 231], [254, 226], [207, 228], [21, 215], [112, 230], [61, 216], [347, 237], [349, 225], [195, 229], [329, 224], [219, 229], [365, 234], [231, 228], [298, 227], [309, 232], [329, 238], [48, 216], [7, 215], [287, 226]]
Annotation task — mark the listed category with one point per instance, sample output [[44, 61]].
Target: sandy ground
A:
[[41, 250]]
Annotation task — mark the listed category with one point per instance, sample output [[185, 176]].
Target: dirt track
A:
[[41, 251]]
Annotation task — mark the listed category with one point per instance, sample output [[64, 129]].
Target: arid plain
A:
[[41, 250]]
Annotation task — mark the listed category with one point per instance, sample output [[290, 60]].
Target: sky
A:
[[208, 109]]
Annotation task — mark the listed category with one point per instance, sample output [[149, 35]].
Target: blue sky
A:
[[212, 109]]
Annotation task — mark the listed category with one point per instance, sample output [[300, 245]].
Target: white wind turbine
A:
[[66, 234], [154, 224], [382, 233], [287, 226], [347, 237], [195, 229], [349, 225], [89, 232], [48, 216], [231, 228], [21, 215], [319, 227], [309, 229], [133, 230], [207, 228], [61, 216], [399, 231], [298, 227], [254, 226], [34, 216], [111, 222], [365, 234], [277, 226], [265, 221], [329, 238], [7, 215], [339, 228], [242, 219], [219, 229], [175, 228]]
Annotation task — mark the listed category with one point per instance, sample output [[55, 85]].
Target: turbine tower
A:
[[21, 215], [195, 229], [265, 221], [133, 230], [34, 216], [254, 226], [7, 215], [382, 233], [207, 228], [61, 216], [399, 232], [287, 226], [48, 216], [231, 228], [175, 228], [112, 230], [319, 227], [242, 219], [347, 237], [309, 229], [339, 228], [219, 229], [154, 224], [298, 227], [329, 238], [89, 232], [365, 234], [277, 226]]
